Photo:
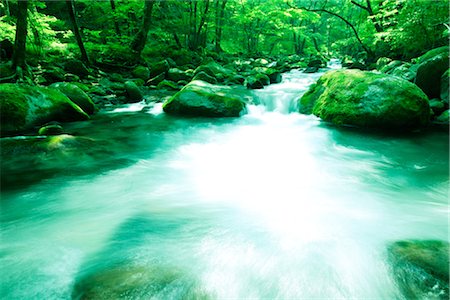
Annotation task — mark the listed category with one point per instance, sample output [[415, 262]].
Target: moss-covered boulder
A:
[[168, 85], [141, 72], [443, 118], [176, 75], [205, 77], [215, 70], [200, 98], [158, 68], [257, 81], [421, 268], [365, 99], [76, 95], [132, 92], [22, 107], [430, 71]]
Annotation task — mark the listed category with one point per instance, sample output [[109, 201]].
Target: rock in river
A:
[[200, 98], [365, 99], [22, 107], [421, 268]]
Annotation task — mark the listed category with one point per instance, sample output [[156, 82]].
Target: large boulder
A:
[[365, 99], [132, 92], [430, 72], [200, 98], [76, 95], [22, 107], [215, 70], [421, 268]]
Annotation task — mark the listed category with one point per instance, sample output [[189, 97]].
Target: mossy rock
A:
[[382, 62], [442, 51], [257, 81], [168, 85], [215, 70], [391, 66], [141, 72], [205, 77], [176, 75], [158, 68], [23, 106], [421, 268], [200, 98], [368, 100], [443, 118], [132, 92], [274, 75], [429, 74], [76, 95]]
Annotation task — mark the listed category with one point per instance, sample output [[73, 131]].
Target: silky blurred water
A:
[[270, 205]]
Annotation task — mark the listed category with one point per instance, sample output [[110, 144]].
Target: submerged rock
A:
[[365, 99], [22, 107], [421, 268], [200, 98], [125, 269]]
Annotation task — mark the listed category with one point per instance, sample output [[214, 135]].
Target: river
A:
[[274, 204]]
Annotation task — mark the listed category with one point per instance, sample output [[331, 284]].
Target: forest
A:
[[224, 149]]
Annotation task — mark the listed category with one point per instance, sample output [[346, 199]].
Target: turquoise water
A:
[[270, 205]]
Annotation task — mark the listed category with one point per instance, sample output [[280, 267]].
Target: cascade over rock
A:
[[365, 99], [200, 98]]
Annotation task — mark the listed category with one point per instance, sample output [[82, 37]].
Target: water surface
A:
[[270, 205]]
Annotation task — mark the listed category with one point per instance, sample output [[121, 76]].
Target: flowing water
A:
[[270, 205]]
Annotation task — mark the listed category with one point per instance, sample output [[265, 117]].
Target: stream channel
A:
[[273, 204]]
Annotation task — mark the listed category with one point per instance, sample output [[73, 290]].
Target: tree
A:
[[21, 35], [76, 31], [220, 12], [140, 39]]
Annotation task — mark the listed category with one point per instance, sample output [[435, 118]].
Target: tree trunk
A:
[[220, 13], [140, 38], [76, 32], [116, 25], [21, 35]]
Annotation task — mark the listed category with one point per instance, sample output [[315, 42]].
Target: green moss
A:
[[24, 106], [76, 95], [444, 51], [13, 108], [421, 268], [365, 99], [202, 99]]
